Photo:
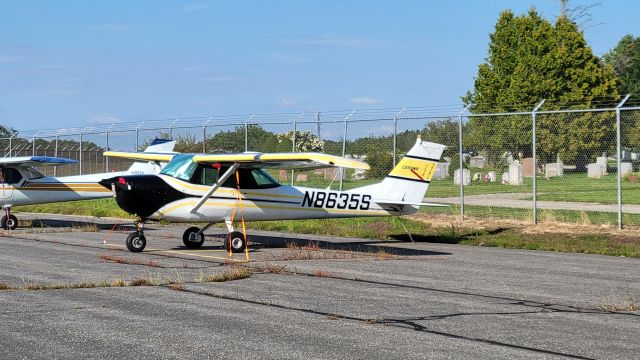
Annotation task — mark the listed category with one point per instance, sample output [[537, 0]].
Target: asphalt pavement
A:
[[336, 299]]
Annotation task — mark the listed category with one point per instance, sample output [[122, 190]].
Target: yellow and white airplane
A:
[[214, 188], [22, 184]]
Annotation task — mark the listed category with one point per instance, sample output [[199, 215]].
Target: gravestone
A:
[[626, 155], [505, 178], [626, 168], [477, 161], [491, 176], [527, 167], [515, 174], [283, 175], [553, 169], [358, 174], [594, 171], [602, 161], [466, 177], [302, 178], [442, 171], [334, 174]]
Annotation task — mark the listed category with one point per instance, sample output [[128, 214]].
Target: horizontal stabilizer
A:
[[399, 202], [141, 156]]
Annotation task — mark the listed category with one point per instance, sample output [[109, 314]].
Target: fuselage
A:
[[162, 197], [44, 189]]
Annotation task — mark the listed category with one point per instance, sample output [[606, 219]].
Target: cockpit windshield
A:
[[184, 168], [181, 167]]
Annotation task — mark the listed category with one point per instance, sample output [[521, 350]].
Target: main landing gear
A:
[[8, 221], [193, 238]]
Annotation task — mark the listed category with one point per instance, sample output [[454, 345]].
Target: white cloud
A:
[[195, 8], [287, 101], [114, 28], [337, 41], [365, 101], [104, 120]]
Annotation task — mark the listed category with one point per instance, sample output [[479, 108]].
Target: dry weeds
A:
[[235, 273], [627, 305]]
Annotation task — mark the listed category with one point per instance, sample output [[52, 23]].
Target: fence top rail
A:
[[311, 117]]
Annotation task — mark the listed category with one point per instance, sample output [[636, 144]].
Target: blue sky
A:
[[79, 63]]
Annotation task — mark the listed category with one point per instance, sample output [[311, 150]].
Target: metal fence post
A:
[[619, 159], [293, 143], [137, 140], [395, 135], [80, 153], [55, 154], [344, 145], [246, 133], [461, 158], [535, 162], [106, 158], [318, 124], [204, 136], [10, 145]]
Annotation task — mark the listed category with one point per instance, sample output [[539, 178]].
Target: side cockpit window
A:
[[208, 174], [9, 176]]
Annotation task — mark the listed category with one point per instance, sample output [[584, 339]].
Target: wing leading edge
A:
[[283, 160]]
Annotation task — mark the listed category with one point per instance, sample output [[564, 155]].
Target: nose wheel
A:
[[9, 222], [136, 240]]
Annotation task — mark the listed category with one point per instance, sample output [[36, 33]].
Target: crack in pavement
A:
[[402, 324]]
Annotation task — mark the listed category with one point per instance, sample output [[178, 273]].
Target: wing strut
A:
[[227, 174]]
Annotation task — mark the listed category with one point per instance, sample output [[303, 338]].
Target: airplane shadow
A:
[[446, 238], [366, 246]]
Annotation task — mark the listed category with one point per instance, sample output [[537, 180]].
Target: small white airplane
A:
[[22, 184], [213, 188]]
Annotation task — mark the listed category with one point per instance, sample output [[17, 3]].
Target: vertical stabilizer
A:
[[409, 180]]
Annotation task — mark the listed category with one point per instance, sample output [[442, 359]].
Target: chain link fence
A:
[[538, 166]]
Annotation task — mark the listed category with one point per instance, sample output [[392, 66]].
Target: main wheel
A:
[[235, 241], [191, 239], [136, 242], [9, 223]]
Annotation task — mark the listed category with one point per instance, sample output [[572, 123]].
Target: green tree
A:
[[625, 60], [531, 59]]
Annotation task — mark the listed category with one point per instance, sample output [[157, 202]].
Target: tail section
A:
[[408, 182], [157, 146]]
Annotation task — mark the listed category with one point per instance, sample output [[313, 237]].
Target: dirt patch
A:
[[444, 221]]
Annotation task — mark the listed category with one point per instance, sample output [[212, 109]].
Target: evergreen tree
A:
[[529, 60]]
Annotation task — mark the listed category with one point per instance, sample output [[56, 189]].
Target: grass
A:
[[235, 273], [98, 207]]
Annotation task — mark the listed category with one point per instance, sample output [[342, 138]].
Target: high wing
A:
[[143, 156], [302, 161], [36, 161]]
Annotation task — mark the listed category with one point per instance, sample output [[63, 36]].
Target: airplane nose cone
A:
[[141, 195]]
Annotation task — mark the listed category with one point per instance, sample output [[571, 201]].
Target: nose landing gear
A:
[[136, 240], [8, 221]]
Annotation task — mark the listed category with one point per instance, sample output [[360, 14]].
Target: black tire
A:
[[10, 223], [190, 239], [235, 241], [136, 242]]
